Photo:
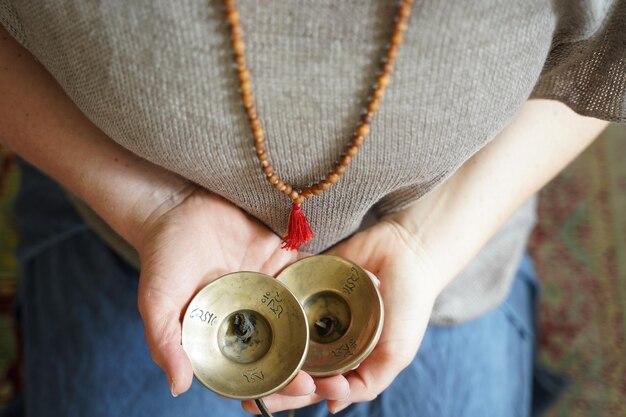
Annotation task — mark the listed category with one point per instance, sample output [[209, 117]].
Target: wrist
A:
[[410, 247], [130, 196], [39, 122], [154, 203], [442, 229]]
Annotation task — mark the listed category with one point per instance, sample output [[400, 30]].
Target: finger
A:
[[346, 249], [302, 384], [361, 248], [302, 255], [373, 277], [281, 259], [333, 387], [277, 261], [277, 402], [370, 379], [163, 334], [177, 366]]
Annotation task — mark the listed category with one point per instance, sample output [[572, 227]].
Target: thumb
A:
[[355, 248], [161, 317]]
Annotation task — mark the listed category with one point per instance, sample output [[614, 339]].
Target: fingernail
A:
[[172, 389], [340, 407]]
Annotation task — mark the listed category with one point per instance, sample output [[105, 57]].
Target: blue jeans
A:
[[86, 354]]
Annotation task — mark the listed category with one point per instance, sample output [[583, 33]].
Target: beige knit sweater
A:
[[157, 77]]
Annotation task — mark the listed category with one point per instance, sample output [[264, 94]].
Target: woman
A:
[[134, 109]]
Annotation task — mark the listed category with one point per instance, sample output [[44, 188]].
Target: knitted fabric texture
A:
[[157, 77]]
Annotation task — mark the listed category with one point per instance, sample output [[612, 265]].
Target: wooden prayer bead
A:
[[258, 133], [247, 98], [332, 178], [235, 32], [233, 16], [405, 10], [373, 105], [316, 189], [238, 46], [397, 38], [244, 75], [324, 185], [358, 140], [363, 130], [392, 52], [401, 26]]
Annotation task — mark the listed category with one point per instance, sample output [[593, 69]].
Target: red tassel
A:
[[299, 230]]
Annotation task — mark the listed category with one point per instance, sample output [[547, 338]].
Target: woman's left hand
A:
[[410, 250], [408, 286]]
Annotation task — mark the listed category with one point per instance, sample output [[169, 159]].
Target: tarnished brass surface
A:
[[246, 335], [344, 311]]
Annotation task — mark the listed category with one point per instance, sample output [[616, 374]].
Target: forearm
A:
[[454, 221], [42, 125]]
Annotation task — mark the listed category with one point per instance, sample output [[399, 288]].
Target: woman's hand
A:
[[417, 251], [408, 286], [182, 249]]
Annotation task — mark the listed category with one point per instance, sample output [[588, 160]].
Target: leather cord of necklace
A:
[[299, 229]]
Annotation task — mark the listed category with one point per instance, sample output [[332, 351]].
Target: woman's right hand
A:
[[182, 249], [185, 247]]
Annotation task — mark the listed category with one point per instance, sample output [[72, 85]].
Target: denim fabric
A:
[[86, 354]]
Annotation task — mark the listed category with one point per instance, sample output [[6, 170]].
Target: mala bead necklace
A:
[[299, 231]]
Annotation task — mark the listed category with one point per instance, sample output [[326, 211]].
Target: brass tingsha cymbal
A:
[[344, 311], [246, 335]]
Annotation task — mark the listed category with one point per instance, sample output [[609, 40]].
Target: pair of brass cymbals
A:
[[247, 334]]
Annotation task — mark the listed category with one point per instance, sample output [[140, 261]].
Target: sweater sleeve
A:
[[586, 65], [9, 18]]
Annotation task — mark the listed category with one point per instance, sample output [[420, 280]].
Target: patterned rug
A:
[[580, 252]]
